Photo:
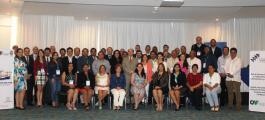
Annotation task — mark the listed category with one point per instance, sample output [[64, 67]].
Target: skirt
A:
[[97, 88], [136, 90], [21, 84], [41, 80]]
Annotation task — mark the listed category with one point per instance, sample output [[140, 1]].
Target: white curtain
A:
[[63, 31]]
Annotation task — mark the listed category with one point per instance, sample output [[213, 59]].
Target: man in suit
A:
[[69, 59], [35, 53], [214, 50], [109, 53], [77, 52], [198, 47], [129, 65], [47, 52], [208, 59], [148, 51], [30, 79]]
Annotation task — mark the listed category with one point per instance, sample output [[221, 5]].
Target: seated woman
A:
[[160, 85], [85, 85], [117, 85], [68, 80], [178, 85], [102, 84], [211, 82], [194, 83], [138, 82]]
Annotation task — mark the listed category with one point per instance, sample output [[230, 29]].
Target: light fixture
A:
[[216, 19], [86, 18]]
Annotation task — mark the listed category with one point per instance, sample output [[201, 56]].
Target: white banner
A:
[[6, 79], [257, 81]]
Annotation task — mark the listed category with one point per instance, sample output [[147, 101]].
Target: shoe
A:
[[74, 108], [100, 107], [216, 109], [213, 109]]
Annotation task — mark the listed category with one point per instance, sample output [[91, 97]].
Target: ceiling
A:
[[136, 9]]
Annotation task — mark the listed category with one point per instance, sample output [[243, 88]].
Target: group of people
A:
[[132, 75]]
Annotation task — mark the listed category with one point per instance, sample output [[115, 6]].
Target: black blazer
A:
[[200, 49], [30, 63], [217, 52], [181, 80], [65, 63], [81, 80]]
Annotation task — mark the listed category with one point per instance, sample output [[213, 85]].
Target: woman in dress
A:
[[68, 81], [40, 73], [85, 85], [183, 64], [160, 86], [20, 74], [178, 83], [138, 81], [102, 84]]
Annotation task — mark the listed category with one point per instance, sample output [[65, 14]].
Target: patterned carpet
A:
[[144, 113]]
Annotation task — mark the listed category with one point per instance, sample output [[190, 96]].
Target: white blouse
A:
[[212, 80]]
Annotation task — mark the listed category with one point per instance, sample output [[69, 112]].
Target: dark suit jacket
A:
[[198, 49], [181, 80], [30, 63], [208, 60], [217, 52], [65, 63]]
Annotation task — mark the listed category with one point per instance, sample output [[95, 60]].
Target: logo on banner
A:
[[255, 57], [254, 102]]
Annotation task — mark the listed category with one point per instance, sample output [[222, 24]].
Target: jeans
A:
[[55, 87], [212, 96]]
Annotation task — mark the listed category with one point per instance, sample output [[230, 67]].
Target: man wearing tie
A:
[[30, 79], [92, 56], [69, 59], [129, 65], [35, 53], [47, 52]]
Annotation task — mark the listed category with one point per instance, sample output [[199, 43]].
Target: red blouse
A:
[[194, 79]]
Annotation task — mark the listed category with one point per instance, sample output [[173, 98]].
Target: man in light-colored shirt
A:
[[100, 61], [172, 60], [194, 60], [233, 78]]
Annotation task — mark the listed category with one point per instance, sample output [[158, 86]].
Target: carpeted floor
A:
[[144, 113]]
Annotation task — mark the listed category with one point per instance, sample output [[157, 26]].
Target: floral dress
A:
[[20, 71]]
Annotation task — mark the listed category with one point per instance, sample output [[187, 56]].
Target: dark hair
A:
[[69, 48], [142, 72], [153, 52], [84, 49], [93, 49], [211, 65], [67, 72], [101, 66], [147, 46], [53, 60], [175, 66], [114, 59], [185, 63], [116, 67], [38, 57], [86, 65], [47, 49], [18, 49], [164, 68], [226, 47], [26, 48], [194, 65], [138, 51], [62, 49], [165, 45], [233, 49], [143, 57]]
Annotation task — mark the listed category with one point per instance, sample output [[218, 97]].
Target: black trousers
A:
[[196, 97], [223, 95], [29, 93]]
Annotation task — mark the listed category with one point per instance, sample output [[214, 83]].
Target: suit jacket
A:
[[30, 63], [128, 66], [108, 57], [181, 80], [161, 81], [217, 52], [208, 60], [198, 49], [65, 63], [81, 61]]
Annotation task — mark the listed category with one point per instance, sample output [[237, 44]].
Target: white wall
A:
[[5, 31]]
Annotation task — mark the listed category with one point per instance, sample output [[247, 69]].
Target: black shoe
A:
[[198, 108], [30, 104]]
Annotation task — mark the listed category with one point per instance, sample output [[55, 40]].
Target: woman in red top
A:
[[40, 74], [194, 83]]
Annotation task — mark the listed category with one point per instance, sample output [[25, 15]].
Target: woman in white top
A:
[[211, 82], [102, 84]]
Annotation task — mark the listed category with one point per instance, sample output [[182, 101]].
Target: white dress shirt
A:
[[221, 63], [171, 62], [233, 66], [193, 61], [70, 59], [212, 80]]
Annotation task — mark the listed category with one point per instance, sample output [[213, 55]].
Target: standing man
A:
[[77, 52], [129, 65], [233, 78], [221, 70], [214, 50], [100, 61], [208, 59], [69, 59], [109, 53], [198, 47], [30, 79], [92, 57], [172, 60]]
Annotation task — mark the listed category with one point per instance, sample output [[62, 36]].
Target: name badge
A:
[[87, 83], [42, 70], [71, 82], [58, 72], [204, 65], [198, 53]]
